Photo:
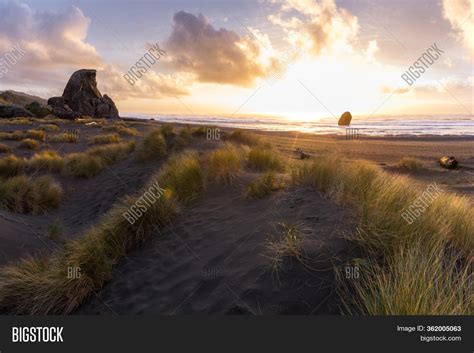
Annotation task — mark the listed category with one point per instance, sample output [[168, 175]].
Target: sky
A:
[[301, 59]]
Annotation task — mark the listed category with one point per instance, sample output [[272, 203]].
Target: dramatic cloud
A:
[[54, 46], [460, 14], [151, 85], [215, 55], [319, 26], [50, 40]]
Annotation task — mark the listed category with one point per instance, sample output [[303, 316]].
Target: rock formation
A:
[[81, 97], [345, 119]]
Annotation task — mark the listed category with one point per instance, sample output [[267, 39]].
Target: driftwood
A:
[[302, 154], [448, 162]]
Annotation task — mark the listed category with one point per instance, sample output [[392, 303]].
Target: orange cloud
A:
[[460, 14], [214, 55]]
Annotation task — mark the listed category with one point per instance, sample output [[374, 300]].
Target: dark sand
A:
[[212, 260]]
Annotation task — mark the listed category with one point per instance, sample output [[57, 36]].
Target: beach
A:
[[214, 257]]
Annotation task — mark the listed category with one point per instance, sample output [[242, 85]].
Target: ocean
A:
[[459, 125]]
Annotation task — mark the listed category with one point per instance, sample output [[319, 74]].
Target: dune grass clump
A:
[[442, 232], [65, 137], [56, 231], [24, 195], [415, 281], [225, 163], [112, 153], [121, 129], [16, 121], [29, 144], [183, 175], [245, 138], [36, 134], [49, 161], [103, 139], [264, 160], [11, 166], [49, 127], [410, 164], [93, 161], [167, 130], [39, 286], [21, 135], [284, 242], [83, 165], [152, 147], [4, 148], [263, 186]]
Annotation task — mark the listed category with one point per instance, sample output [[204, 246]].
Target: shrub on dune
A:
[[11, 166], [225, 163], [29, 144], [24, 195], [152, 147], [104, 139], [49, 161], [264, 160]]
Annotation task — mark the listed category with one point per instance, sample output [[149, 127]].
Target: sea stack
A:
[[82, 97], [345, 119]]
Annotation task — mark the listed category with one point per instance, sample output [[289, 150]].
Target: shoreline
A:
[[333, 135]]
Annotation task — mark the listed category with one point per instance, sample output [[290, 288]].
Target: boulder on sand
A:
[[82, 97], [345, 119], [448, 162]]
